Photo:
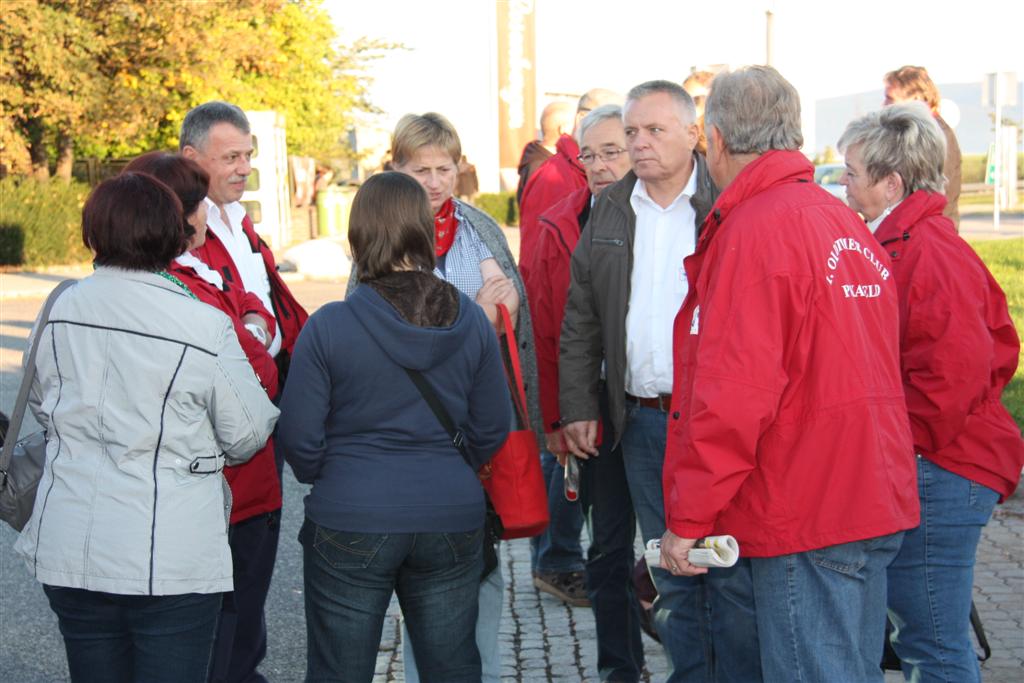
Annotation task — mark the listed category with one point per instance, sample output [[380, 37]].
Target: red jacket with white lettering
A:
[[556, 179], [958, 345], [788, 427], [547, 288], [255, 486], [289, 314]]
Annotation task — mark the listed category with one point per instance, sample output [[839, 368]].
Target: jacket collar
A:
[[140, 276], [772, 168], [702, 200], [912, 210], [567, 147]]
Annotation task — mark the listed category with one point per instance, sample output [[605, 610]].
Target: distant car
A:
[[827, 175]]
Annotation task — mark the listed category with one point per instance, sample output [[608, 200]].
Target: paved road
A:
[[543, 640]]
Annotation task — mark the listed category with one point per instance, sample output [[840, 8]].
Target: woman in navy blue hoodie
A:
[[394, 506]]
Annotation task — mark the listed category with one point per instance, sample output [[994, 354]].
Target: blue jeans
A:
[[558, 549], [931, 579], [124, 638], [349, 579], [611, 524], [697, 617], [821, 613], [488, 621]]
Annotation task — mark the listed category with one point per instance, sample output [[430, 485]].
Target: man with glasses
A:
[[557, 557], [627, 283], [603, 494]]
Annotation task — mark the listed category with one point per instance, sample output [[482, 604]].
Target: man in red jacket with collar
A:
[[556, 179], [788, 427], [216, 136]]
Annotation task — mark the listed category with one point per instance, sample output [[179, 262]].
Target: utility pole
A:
[[769, 26]]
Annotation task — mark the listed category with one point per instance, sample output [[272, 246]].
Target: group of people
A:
[[720, 345]]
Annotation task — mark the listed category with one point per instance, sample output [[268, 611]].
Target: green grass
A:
[[1005, 259], [985, 198]]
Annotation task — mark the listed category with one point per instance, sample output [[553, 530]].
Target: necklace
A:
[[171, 278]]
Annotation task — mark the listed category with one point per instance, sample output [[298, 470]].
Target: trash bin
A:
[[333, 204]]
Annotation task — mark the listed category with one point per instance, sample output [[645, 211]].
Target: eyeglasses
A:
[[605, 155]]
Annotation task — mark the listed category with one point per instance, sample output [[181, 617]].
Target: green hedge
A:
[[972, 169], [501, 206], [41, 222]]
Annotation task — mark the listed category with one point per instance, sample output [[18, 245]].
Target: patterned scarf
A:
[[444, 228]]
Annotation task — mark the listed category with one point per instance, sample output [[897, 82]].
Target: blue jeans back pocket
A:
[[346, 549], [465, 545], [845, 558]]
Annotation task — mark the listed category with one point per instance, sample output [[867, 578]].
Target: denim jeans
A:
[[931, 579], [697, 617], [821, 613], [488, 621], [113, 638], [558, 549], [349, 578]]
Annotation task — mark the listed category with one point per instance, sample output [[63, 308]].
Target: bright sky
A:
[[825, 48]]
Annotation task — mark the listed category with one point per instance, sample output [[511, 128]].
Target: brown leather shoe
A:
[[569, 587]]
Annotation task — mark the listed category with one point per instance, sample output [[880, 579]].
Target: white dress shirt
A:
[[664, 237], [250, 265]]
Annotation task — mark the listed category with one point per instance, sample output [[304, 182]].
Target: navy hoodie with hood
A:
[[354, 426]]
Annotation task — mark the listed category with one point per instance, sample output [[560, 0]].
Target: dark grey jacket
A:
[[594, 327]]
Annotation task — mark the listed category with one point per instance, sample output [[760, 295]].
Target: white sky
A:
[[825, 48]]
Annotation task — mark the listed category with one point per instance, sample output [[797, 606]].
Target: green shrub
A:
[[501, 206], [41, 222]]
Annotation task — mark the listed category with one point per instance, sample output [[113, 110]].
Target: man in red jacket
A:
[[557, 558], [216, 136], [604, 495], [557, 119], [788, 425], [556, 179]]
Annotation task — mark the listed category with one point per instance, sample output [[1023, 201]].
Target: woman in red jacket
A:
[[958, 350]]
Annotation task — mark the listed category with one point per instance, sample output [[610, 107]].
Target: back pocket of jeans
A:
[[347, 549], [465, 545], [845, 558]]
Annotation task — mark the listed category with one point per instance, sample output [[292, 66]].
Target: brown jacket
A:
[[951, 170], [594, 327]]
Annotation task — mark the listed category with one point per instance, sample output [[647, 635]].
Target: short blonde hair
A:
[[915, 84], [902, 139], [415, 131]]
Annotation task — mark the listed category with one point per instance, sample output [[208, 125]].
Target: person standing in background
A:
[[556, 120], [912, 83]]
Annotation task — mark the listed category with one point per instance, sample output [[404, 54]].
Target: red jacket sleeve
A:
[[247, 302], [547, 285]]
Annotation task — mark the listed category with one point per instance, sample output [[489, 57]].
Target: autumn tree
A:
[[115, 77]]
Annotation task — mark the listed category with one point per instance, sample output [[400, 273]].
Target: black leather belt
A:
[[662, 402]]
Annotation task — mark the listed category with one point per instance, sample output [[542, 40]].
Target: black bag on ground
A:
[[891, 661]]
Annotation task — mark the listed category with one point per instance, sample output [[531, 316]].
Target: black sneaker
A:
[[569, 587]]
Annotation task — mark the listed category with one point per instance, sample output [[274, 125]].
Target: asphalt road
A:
[[31, 649]]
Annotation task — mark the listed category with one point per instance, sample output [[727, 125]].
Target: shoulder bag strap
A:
[[436, 407], [26, 381], [515, 374]]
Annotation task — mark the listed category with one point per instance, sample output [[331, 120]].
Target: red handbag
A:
[[513, 478]]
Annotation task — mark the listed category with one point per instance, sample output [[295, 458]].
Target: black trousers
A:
[[242, 634], [611, 523]]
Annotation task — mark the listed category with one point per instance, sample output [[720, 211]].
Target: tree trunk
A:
[[65, 155], [37, 150]]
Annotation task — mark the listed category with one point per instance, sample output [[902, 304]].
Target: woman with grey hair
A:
[[958, 350]]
